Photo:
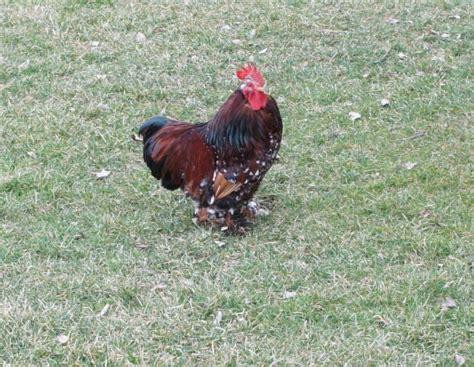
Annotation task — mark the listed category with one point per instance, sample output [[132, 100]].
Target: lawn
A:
[[366, 257]]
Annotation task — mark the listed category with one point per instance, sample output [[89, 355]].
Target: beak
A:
[[260, 89]]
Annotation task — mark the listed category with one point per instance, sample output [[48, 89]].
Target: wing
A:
[[223, 187], [178, 156]]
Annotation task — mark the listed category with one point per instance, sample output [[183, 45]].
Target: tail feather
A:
[[176, 153], [151, 126], [148, 131]]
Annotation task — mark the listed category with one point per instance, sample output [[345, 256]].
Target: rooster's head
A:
[[253, 86]]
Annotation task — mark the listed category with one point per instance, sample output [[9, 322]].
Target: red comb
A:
[[251, 71]]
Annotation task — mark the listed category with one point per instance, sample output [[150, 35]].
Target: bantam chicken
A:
[[221, 163]]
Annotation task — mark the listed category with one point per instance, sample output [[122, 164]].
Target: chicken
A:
[[219, 164]]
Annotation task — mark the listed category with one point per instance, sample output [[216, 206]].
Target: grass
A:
[[359, 253]]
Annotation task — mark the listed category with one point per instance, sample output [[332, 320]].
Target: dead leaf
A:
[[24, 65], [102, 174], [385, 102], [288, 295], [459, 360], [445, 35], [160, 286], [79, 236], [103, 312], [425, 213], [261, 52], [409, 165], [219, 243], [31, 154], [252, 33], [418, 134], [218, 318], [392, 20], [439, 56], [354, 115], [103, 107], [402, 56], [449, 303], [455, 16], [101, 76], [382, 321], [141, 244], [95, 44], [236, 41], [62, 339], [366, 75], [140, 37], [226, 28]]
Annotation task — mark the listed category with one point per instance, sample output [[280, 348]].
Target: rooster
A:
[[221, 163]]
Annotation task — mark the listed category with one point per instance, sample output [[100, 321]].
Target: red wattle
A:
[[257, 100]]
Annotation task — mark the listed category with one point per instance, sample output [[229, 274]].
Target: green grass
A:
[[345, 270]]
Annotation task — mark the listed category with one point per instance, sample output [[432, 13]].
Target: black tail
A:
[[148, 130], [151, 126]]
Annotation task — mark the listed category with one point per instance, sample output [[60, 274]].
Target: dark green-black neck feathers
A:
[[236, 126]]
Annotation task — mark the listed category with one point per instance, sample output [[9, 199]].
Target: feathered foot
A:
[[253, 210], [225, 221]]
